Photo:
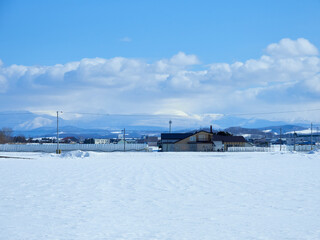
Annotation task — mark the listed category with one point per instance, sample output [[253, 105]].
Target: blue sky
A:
[[190, 58], [50, 32]]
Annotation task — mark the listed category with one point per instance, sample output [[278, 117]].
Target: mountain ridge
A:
[[44, 125]]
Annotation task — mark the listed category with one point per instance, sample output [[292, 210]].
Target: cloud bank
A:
[[286, 77]]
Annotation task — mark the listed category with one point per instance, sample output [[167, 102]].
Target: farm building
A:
[[201, 141]]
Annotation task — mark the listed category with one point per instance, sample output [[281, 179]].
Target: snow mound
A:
[[74, 154], [317, 151]]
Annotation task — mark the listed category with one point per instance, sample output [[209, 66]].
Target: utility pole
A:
[[311, 137], [170, 122], [317, 135], [124, 139], [58, 149], [280, 138], [294, 138]]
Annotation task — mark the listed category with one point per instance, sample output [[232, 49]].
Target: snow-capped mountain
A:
[[103, 125]]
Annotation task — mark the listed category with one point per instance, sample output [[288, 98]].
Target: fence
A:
[[187, 147], [71, 147], [210, 148], [274, 148], [136, 147], [251, 149]]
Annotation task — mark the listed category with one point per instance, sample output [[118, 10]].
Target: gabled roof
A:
[[180, 136], [228, 138], [175, 136], [195, 133]]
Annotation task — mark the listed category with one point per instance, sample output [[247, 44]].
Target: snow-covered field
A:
[[160, 196]]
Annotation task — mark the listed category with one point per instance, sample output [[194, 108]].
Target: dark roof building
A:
[[228, 138], [173, 137], [199, 141]]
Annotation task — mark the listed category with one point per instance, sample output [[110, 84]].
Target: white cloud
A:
[[313, 84], [183, 59], [3, 84], [292, 48], [287, 76]]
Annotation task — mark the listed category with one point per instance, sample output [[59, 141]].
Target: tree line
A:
[[6, 137]]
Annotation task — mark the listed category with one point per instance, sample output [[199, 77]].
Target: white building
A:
[[101, 141]]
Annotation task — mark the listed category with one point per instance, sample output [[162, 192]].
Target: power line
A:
[[265, 113], [157, 115], [86, 113], [168, 115], [122, 114]]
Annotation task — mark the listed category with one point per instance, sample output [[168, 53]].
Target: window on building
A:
[[202, 137], [192, 138]]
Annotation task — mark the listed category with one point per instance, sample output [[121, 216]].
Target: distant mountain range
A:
[[110, 126], [266, 132], [68, 131]]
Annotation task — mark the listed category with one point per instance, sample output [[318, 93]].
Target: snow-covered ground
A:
[[81, 195]]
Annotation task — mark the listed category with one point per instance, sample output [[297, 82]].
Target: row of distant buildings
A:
[[150, 140], [168, 142], [209, 141], [288, 139], [196, 141]]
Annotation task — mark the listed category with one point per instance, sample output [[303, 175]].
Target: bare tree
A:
[[19, 139], [5, 135]]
